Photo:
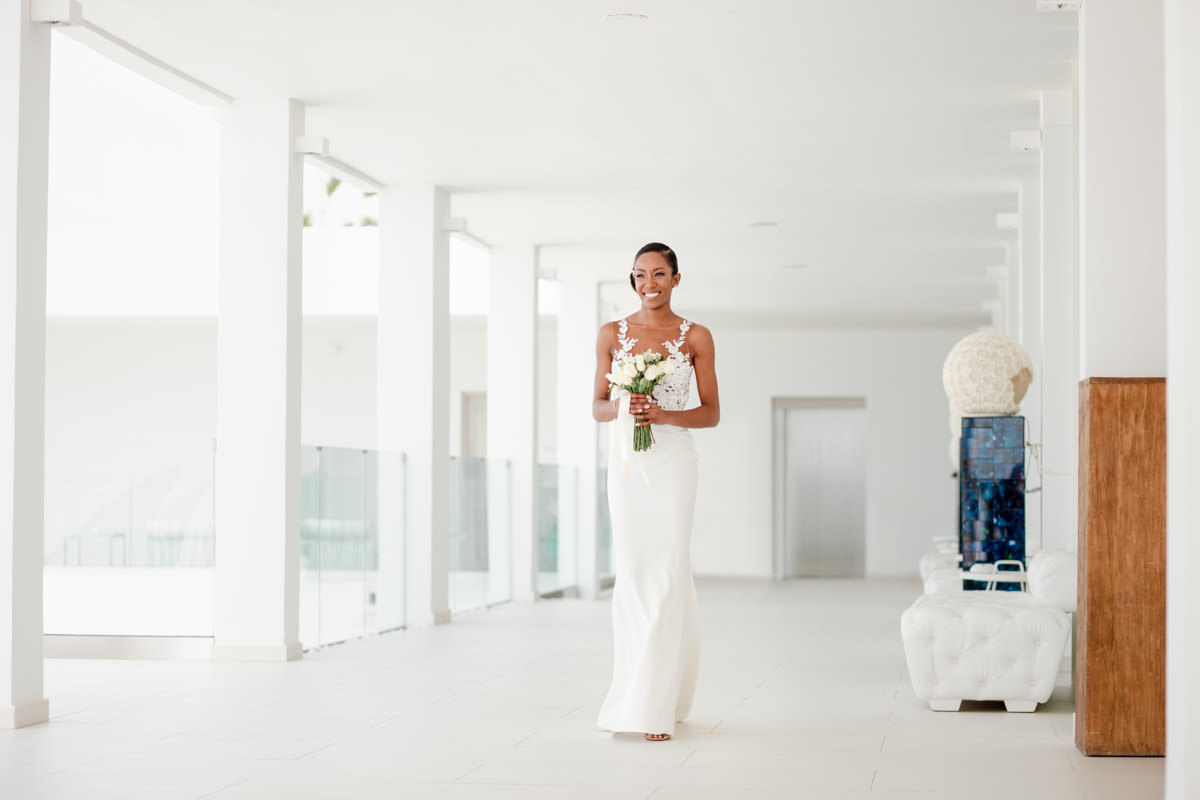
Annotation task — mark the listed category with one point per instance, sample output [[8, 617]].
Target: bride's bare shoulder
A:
[[608, 333], [699, 333], [610, 328]]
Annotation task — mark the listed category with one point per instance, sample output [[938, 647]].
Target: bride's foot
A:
[[657, 737]]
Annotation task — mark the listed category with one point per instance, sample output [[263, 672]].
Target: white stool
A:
[[990, 645]]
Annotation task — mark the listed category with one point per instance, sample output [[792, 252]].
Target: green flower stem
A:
[[643, 437]]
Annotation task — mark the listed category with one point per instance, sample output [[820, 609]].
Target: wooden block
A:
[[1120, 689]]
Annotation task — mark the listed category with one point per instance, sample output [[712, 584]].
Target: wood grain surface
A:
[[1120, 682]]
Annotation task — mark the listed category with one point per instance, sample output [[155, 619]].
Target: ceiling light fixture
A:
[[1059, 5], [625, 16]]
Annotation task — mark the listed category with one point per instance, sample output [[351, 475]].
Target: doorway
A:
[[474, 424], [820, 471]]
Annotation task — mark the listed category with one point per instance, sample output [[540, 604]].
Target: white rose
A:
[[641, 363], [668, 367], [630, 371], [653, 371]]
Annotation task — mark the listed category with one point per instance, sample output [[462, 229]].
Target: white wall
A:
[[125, 394], [468, 373], [125, 397], [910, 494], [131, 391], [337, 394]]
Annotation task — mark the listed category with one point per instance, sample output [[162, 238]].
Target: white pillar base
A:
[[257, 652], [25, 714]]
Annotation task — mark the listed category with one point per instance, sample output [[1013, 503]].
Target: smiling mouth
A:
[[651, 295]]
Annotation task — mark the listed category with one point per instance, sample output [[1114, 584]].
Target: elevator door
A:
[[821, 470]]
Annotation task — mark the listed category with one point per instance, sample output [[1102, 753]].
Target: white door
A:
[[820, 487], [474, 424]]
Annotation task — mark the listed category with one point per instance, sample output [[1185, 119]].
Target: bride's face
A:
[[653, 281]]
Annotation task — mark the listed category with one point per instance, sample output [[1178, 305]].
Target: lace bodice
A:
[[671, 391]]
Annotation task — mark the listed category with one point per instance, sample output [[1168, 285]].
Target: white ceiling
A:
[[873, 133]]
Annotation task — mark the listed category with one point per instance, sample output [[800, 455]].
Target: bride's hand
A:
[[644, 409]]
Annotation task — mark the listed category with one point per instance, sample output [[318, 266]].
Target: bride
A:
[[651, 496]]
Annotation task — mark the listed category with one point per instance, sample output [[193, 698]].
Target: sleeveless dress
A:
[[651, 497]]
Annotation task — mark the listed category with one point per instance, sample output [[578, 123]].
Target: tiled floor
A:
[[802, 695]]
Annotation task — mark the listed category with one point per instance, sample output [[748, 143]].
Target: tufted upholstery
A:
[[983, 646], [1053, 578], [932, 563]]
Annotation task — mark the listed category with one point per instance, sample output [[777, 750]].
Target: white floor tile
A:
[[803, 692]]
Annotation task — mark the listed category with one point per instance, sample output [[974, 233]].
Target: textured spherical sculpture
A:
[[987, 373]]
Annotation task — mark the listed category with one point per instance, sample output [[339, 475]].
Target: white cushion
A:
[[944, 580], [935, 562], [983, 646], [1053, 577]]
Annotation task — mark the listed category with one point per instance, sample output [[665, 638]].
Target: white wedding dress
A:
[[651, 497]]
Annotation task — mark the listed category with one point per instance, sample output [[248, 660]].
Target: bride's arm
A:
[[603, 407], [708, 413]]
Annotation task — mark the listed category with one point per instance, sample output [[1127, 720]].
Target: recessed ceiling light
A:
[[625, 16], [763, 224]]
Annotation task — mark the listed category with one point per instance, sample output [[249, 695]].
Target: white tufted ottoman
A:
[[983, 646]]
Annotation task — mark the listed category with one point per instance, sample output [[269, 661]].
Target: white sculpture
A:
[[986, 374]]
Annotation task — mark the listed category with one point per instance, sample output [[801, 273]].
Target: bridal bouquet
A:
[[639, 375]]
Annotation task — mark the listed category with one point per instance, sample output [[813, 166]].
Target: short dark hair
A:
[[664, 251]]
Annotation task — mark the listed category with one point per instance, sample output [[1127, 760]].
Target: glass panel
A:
[[604, 568], [468, 533], [342, 545], [386, 584], [499, 500], [310, 551], [557, 528], [547, 511], [130, 551], [351, 544], [568, 527]]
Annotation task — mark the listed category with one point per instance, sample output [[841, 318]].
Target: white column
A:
[[1007, 311], [1122, 190], [512, 379], [1060, 342], [258, 383], [1029, 334], [24, 138], [1182, 26], [577, 431], [1012, 286], [413, 384]]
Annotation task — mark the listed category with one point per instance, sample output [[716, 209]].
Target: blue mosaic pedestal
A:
[[991, 493]]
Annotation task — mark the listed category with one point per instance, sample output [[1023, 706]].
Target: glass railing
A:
[[132, 552], [156, 517], [604, 565], [351, 543], [480, 531], [129, 551], [558, 534]]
